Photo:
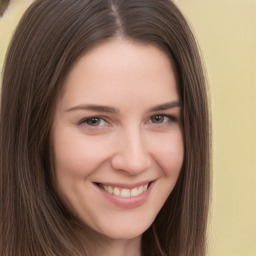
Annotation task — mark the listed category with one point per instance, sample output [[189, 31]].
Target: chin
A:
[[124, 232]]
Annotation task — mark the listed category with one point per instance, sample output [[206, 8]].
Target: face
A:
[[118, 145]]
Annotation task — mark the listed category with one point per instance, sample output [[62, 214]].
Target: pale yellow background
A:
[[226, 32]]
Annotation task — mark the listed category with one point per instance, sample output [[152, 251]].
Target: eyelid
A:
[[86, 119], [172, 118]]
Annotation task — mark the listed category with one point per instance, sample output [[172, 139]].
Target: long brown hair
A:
[[50, 38]]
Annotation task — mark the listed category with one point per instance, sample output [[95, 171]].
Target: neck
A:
[[129, 247], [99, 244]]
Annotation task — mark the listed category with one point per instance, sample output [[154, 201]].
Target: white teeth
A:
[[140, 189], [116, 192], [109, 189], [134, 192], [124, 192]]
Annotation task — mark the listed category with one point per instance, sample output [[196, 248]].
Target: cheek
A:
[[170, 154], [76, 155]]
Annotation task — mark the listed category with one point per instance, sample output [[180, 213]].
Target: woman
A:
[[105, 145]]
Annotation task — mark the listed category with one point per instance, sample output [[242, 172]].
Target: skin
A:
[[134, 143]]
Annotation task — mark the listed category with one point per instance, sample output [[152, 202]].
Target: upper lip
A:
[[125, 185]]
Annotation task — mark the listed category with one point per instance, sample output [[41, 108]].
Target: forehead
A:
[[124, 69]]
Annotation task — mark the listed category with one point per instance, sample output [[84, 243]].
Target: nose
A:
[[131, 154]]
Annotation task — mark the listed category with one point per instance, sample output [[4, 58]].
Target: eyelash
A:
[[86, 120], [170, 118]]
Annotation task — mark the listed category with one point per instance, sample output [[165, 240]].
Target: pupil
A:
[[158, 119], [94, 121]]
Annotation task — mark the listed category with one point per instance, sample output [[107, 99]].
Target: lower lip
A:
[[127, 202]]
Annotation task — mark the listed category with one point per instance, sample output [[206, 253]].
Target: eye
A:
[[160, 118], [94, 121]]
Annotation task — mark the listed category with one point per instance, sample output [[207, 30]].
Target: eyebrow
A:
[[165, 106], [97, 108], [112, 110]]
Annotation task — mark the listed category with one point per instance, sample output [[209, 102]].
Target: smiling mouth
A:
[[125, 192]]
